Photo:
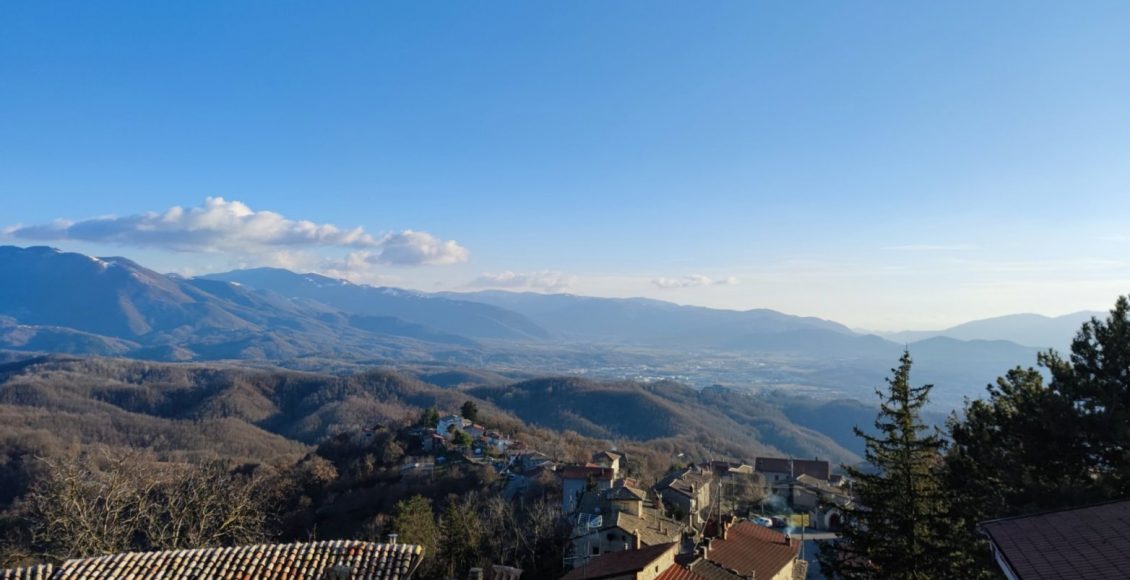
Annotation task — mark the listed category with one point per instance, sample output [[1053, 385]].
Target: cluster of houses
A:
[[718, 520], [443, 436], [684, 528]]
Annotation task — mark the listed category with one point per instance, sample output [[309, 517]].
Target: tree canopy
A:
[[898, 526], [470, 411]]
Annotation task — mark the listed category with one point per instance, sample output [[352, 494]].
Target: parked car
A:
[[763, 521]]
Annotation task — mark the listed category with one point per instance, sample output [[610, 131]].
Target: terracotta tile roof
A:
[[620, 563], [750, 548], [677, 572], [585, 472], [310, 560], [710, 571], [1088, 542], [40, 572]]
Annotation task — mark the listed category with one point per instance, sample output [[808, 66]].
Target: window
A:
[[596, 550]]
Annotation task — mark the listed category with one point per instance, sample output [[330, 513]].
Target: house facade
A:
[[609, 459], [618, 519], [687, 492], [577, 479], [448, 423]]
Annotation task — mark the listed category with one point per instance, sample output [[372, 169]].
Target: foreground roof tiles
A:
[[677, 572], [621, 563], [42, 572], [711, 571], [353, 559], [752, 549], [1088, 542]]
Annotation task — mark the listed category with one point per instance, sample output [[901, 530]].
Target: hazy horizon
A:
[[884, 166]]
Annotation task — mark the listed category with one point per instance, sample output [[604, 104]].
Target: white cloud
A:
[[542, 281], [692, 281], [220, 225], [409, 248]]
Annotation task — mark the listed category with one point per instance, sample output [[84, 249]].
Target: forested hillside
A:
[[52, 406], [713, 420]]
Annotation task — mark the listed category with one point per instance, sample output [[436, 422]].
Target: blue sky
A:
[[890, 165]]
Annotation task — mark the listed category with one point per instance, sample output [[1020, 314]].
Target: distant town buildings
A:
[[733, 551]]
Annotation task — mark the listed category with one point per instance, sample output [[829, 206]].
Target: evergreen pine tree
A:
[[1032, 446], [1096, 379], [414, 523], [460, 535], [899, 527], [470, 411], [429, 418]]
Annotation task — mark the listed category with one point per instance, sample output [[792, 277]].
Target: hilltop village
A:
[[715, 520]]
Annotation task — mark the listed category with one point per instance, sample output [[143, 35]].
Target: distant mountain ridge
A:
[[1034, 330], [644, 320], [452, 316], [71, 303]]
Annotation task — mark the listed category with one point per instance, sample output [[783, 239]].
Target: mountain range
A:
[[646, 321], [71, 303], [1035, 330]]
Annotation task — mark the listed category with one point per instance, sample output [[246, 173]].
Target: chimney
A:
[[475, 574], [636, 538], [788, 539], [392, 539], [706, 549]]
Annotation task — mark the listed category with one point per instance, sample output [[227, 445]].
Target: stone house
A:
[[687, 492]]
